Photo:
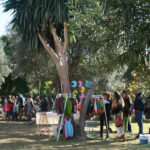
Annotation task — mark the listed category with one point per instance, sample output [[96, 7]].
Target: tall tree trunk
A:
[[60, 59], [39, 86], [59, 55], [85, 107], [62, 68]]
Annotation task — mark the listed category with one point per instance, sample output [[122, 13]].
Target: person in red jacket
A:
[[9, 108]]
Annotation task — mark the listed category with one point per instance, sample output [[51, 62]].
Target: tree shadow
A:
[[15, 136]]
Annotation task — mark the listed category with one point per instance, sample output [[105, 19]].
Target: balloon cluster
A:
[[82, 93], [80, 85]]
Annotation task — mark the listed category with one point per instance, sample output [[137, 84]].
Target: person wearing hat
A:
[[139, 109]]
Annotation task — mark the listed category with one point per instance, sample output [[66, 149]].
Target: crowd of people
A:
[[21, 108], [120, 106]]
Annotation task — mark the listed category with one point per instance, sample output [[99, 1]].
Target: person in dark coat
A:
[[44, 105], [139, 109], [103, 119]]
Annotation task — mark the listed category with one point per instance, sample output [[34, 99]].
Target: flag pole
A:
[[106, 119]]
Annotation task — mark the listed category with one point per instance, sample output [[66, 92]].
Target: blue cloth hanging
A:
[[68, 128]]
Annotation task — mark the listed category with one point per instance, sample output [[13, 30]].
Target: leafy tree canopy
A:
[[31, 17], [119, 28], [4, 63]]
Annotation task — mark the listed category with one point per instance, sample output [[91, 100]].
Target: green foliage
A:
[[105, 36], [4, 63], [31, 17], [117, 28], [140, 79], [6, 48], [47, 87], [11, 86], [37, 67], [116, 32]]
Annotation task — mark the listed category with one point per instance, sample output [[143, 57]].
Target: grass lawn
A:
[[20, 136]]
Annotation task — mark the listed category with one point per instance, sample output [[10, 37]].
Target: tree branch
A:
[[57, 42], [65, 37], [48, 48]]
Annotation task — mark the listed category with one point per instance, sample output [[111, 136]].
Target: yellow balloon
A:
[[82, 89], [74, 93]]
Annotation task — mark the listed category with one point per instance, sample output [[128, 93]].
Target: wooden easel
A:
[[43, 124]]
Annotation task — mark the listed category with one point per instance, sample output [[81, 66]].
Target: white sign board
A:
[[51, 118]]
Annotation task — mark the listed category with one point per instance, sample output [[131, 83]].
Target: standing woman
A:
[[127, 108], [29, 105], [117, 110]]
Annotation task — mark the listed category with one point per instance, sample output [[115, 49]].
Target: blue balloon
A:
[[88, 83], [74, 84]]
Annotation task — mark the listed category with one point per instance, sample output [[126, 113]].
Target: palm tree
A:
[[44, 22]]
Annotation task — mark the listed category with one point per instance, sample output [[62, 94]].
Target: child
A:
[[9, 109], [118, 106], [15, 111]]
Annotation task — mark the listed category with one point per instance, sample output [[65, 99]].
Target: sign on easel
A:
[[46, 121]]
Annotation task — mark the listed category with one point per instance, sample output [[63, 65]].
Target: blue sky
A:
[[5, 18]]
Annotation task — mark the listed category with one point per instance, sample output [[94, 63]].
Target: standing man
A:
[[103, 119], [139, 109]]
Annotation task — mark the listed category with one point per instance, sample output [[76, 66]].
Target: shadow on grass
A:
[[63, 144], [20, 136], [37, 142]]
